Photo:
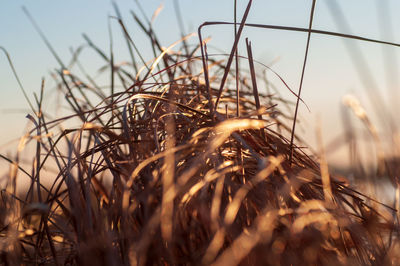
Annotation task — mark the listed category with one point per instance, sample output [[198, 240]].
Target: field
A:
[[191, 159]]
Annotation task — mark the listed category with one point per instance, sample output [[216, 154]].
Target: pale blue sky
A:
[[329, 74]]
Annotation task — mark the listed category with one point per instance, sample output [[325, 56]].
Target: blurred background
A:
[[336, 67]]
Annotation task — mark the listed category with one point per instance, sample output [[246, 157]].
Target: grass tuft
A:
[[178, 167]]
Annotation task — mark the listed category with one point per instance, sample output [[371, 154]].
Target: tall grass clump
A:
[[180, 166]]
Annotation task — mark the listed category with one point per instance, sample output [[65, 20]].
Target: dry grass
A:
[[182, 167]]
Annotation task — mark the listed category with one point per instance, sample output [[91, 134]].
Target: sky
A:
[[330, 72]]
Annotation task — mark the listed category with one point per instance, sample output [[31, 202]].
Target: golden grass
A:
[[198, 173]]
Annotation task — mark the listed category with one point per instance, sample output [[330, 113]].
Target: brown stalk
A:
[[301, 79]]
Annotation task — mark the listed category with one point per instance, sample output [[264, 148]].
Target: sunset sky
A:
[[330, 72]]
